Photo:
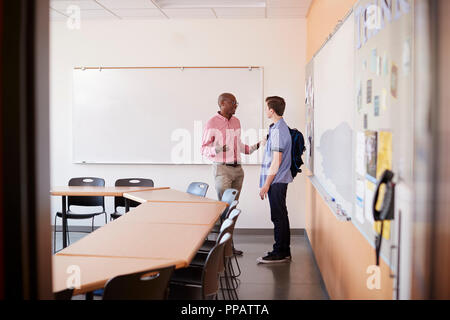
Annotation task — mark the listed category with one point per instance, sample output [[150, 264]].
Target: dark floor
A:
[[297, 280]]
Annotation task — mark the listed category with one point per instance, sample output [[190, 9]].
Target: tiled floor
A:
[[297, 280]]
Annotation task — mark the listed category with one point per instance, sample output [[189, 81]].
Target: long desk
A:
[[175, 213], [93, 272], [141, 240], [165, 195], [150, 236], [92, 191]]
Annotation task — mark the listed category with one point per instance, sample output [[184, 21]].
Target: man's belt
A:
[[234, 165]]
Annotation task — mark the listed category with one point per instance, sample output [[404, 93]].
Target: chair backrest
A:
[[64, 294], [130, 182], [147, 285], [228, 209], [229, 195], [233, 216], [198, 188], [227, 227], [86, 201], [210, 275]]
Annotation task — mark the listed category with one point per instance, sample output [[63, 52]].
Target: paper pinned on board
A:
[[384, 99], [376, 103], [360, 153], [371, 155], [406, 57], [373, 60], [394, 80], [369, 91], [384, 158], [368, 199], [360, 190]]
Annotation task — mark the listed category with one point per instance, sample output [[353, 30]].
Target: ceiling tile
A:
[[139, 13], [168, 4], [97, 14], [286, 12], [56, 16], [288, 3], [127, 4], [83, 4], [240, 12], [190, 13]]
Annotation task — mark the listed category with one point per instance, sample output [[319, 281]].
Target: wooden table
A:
[[166, 195], [94, 272], [141, 240], [150, 236], [176, 213], [92, 191]]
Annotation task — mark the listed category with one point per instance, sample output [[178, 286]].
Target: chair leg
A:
[[106, 218], [237, 265], [227, 279], [54, 235], [67, 233], [92, 227], [221, 288], [233, 277]]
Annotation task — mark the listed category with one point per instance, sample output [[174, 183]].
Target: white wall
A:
[[277, 45]]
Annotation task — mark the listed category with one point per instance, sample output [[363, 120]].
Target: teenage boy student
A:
[[274, 179]]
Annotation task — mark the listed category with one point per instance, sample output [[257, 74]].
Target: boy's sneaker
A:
[[288, 256], [272, 258]]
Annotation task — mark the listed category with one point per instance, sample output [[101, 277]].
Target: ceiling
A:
[[179, 9]]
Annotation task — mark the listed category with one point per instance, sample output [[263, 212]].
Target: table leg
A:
[[64, 221], [127, 205]]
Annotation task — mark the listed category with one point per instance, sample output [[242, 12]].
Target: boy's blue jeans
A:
[[280, 219]]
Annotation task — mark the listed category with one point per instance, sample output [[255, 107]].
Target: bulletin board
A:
[[384, 108], [365, 124]]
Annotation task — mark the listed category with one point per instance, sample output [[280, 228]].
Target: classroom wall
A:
[[278, 45], [341, 251]]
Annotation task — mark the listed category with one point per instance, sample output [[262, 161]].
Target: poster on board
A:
[[309, 109]]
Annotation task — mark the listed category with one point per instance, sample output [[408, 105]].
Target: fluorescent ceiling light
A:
[[166, 4]]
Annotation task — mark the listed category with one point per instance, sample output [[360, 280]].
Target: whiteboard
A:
[[334, 116], [157, 115]]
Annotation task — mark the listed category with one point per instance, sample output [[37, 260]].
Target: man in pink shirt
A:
[[222, 145]]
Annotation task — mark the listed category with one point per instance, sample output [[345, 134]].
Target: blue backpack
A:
[[298, 147]]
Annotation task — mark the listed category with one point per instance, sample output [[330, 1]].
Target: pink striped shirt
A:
[[220, 131]]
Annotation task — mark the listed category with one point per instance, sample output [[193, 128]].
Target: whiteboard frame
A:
[[261, 120]]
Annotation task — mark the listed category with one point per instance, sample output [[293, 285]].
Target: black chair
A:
[[209, 244], [198, 188], [146, 285], [83, 201], [200, 259], [228, 196], [120, 201], [224, 216], [200, 283], [64, 294]]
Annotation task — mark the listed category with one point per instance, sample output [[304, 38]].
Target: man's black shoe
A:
[[238, 252]]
